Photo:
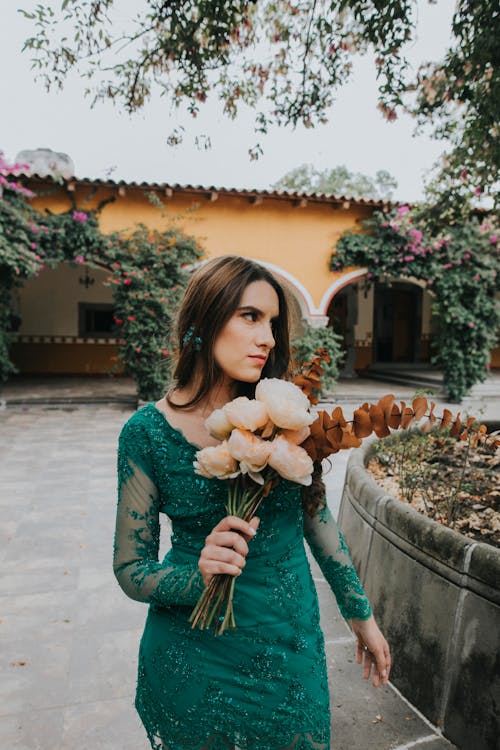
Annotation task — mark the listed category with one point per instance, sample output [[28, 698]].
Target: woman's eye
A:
[[250, 316]]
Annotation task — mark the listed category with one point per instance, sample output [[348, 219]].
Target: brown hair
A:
[[212, 296]]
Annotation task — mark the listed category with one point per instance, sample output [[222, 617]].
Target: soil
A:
[[453, 482]]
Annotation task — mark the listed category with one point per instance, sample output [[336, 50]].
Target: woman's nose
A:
[[266, 337]]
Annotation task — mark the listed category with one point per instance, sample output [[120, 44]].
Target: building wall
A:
[[294, 238], [297, 240], [48, 340], [48, 305]]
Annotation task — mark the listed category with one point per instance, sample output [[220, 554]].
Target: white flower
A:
[[251, 452], [286, 405], [216, 461], [218, 424], [246, 414], [290, 461]]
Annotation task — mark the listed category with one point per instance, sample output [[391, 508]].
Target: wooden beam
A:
[[256, 200], [302, 203], [346, 205], [169, 192], [122, 191], [212, 196]]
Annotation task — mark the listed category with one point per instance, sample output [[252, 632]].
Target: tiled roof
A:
[[213, 189]]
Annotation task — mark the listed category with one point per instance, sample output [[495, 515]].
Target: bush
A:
[[313, 339]]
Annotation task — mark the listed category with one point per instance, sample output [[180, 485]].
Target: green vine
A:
[[306, 347], [460, 266], [147, 271]]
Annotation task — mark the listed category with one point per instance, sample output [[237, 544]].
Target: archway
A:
[[65, 322]]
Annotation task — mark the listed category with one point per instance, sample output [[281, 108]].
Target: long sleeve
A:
[[137, 533], [328, 546]]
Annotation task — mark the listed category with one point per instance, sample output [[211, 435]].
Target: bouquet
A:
[[275, 435], [260, 442]]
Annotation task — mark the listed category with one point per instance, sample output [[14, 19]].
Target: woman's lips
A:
[[258, 357]]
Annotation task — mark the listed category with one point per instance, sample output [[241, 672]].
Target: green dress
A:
[[262, 686]]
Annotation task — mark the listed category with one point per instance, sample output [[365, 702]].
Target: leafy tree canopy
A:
[[287, 59], [338, 181]]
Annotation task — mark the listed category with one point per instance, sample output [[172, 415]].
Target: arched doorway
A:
[[65, 323], [397, 322], [342, 317]]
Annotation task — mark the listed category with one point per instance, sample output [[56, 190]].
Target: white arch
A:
[[339, 284], [303, 296], [306, 303]]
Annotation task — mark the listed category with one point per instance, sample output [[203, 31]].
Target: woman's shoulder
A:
[[139, 423]]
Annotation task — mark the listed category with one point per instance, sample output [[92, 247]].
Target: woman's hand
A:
[[372, 651], [226, 547]]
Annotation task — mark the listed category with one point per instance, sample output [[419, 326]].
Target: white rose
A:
[[286, 405], [251, 452], [290, 461], [216, 461], [296, 437], [218, 424], [246, 414]]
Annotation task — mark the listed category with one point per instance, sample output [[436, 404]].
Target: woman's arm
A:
[[137, 533], [332, 555]]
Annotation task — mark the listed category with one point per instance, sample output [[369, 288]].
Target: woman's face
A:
[[242, 347]]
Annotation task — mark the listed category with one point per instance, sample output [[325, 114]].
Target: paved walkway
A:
[[69, 637]]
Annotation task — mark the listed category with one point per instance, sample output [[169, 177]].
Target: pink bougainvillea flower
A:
[[79, 259], [127, 281], [131, 318], [80, 216]]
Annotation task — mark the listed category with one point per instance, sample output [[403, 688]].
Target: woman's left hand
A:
[[372, 651]]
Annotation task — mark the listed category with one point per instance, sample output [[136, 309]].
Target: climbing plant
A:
[[147, 271], [460, 266], [323, 339]]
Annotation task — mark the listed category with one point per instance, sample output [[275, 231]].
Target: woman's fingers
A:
[[233, 523], [227, 539], [226, 547], [379, 660]]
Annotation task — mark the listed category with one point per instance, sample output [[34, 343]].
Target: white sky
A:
[[135, 146]]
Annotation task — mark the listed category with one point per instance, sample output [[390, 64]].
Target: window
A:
[[95, 320]]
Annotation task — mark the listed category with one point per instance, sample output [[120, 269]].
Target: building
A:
[[65, 314]]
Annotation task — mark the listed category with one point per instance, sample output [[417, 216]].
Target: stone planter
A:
[[436, 596]]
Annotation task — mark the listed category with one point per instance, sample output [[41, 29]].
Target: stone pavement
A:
[[69, 636]]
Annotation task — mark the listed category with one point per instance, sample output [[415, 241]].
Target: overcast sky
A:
[[135, 148]]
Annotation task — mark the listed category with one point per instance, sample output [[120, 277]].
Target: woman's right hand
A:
[[226, 547]]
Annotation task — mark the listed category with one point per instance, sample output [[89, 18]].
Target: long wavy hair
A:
[[212, 296]]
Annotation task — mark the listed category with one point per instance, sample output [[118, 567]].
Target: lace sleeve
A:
[[137, 533], [328, 546]]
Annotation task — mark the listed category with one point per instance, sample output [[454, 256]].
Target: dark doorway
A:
[[397, 322], [342, 317]]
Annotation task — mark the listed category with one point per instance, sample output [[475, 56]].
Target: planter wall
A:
[[436, 596]]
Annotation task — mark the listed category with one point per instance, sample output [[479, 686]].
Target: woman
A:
[[264, 684]]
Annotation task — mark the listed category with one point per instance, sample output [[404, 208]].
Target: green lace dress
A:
[[264, 685]]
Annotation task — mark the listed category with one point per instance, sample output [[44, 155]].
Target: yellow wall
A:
[[298, 240]]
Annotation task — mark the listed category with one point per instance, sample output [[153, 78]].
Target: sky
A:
[[104, 141]]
